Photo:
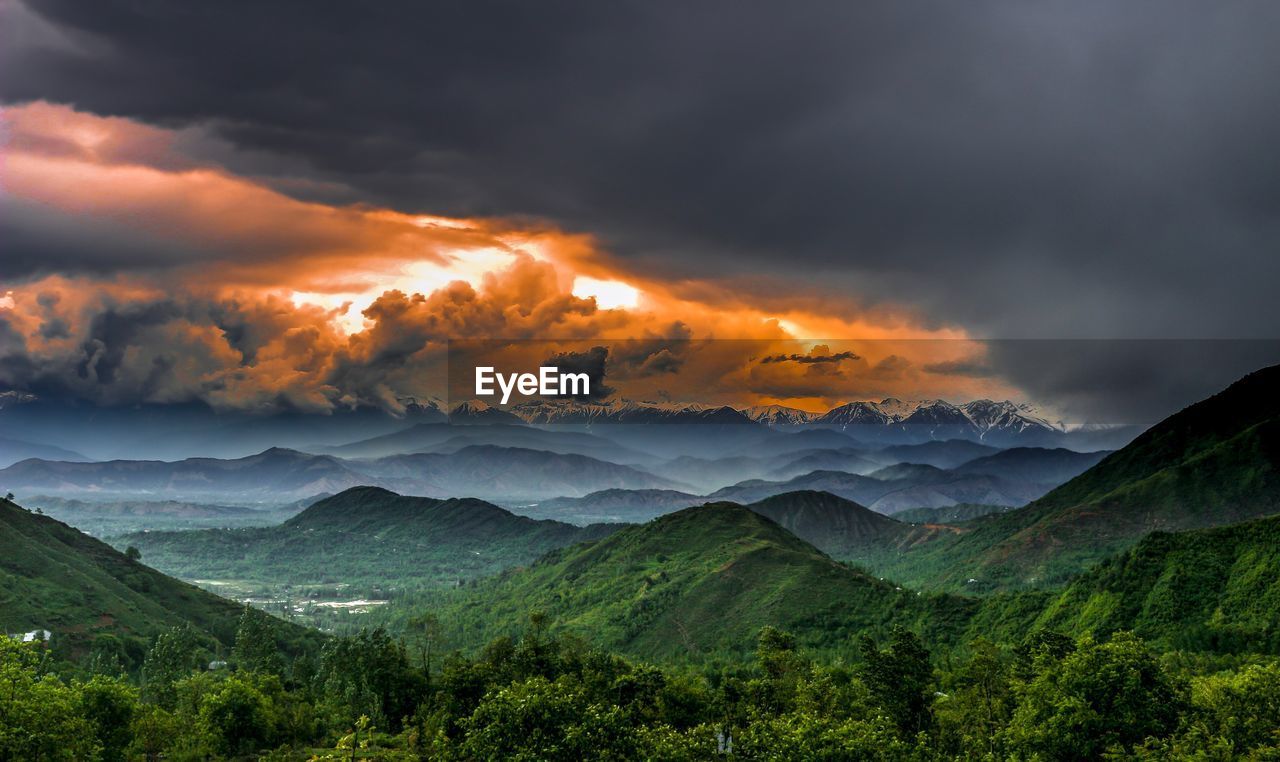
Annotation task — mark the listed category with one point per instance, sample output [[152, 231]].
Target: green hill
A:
[[365, 536], [1215, 463], [1216, 589], [844, 529], [698, 582], [56, 578]]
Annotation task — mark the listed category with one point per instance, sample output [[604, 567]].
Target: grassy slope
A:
[[366, 535], [53, 576], [701, 580]]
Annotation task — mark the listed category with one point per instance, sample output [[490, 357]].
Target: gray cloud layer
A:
[[1021, 169]]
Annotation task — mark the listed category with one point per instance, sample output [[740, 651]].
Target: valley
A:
[[684, 561]]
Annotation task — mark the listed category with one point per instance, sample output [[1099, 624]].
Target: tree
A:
[[172, 657], [1245, 706], [1100, 698], [369, 674], [538, 719], [783, 668], [1038, 648], [109, 704], [107, 656], [154, 730], [971, 718], [132, 553], [39, 715], [425, 632], [901, 679], [256, 649], [807, 736], [239, 716], [537, 653]]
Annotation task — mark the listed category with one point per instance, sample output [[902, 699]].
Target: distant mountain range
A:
[[891, 489], [442, 460], [77, 431], [446, 438], [889, 421], [369, 536], [613, 505], [508, 473], [281, 475], [277, 473], [178, 431], [624, 411], [15, 450], [106, 518], [982, 415], [1215, 463], [886, 488]]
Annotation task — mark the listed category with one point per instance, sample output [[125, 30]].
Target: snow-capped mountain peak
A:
[[987, 414], [778, 415], [974, 419]]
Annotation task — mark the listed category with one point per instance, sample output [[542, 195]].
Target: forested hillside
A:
[[699, 583], [88, 594], [1209, 589]]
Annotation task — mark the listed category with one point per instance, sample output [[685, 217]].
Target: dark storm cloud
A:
[[592, 362], [808, 359], [1020, 169], [970, 368], [39, 242], [1128, 381]]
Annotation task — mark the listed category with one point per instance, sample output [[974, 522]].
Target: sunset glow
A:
[[362, 281], [608, 294]]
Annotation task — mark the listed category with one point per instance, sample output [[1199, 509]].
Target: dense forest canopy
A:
[[546, 697]]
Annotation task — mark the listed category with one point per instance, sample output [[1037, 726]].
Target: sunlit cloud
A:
[[609, 294], [184, 281]]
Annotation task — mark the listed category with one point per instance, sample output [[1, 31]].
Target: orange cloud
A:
[[250, 298]]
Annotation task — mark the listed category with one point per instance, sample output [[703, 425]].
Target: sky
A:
[[295, 206]]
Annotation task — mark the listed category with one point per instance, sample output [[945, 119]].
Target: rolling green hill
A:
[[56, 578], [697, 583], [1215, 463], [844, 529], [700, 583], [365, 536]]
